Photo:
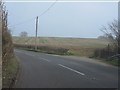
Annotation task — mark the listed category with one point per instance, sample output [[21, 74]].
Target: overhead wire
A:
[[21, 22], [48, 8], [35, 17]]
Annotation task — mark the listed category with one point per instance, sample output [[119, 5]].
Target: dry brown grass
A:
[[77, 46]]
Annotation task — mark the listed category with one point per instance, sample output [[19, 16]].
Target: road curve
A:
[[38, 70]]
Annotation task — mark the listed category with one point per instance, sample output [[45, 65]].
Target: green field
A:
[[77, 46]]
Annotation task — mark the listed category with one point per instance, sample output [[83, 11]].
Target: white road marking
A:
[[33, 56], [18, 51], [24, 53], [71, 69], [29, 54], [45, 59], [39, 57]]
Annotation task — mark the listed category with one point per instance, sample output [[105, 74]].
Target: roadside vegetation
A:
[[111, 53], [9, 62], [0, 49], [63, 46]]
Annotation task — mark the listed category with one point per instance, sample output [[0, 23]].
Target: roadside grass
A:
[[9, 72], [82, 51], [46, 49], [0, 72], [0, 55], [113, 62]]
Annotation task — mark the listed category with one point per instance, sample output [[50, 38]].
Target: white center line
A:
[[45, 59], [25, 53], [29, 54], [34, 55], [71, 69]]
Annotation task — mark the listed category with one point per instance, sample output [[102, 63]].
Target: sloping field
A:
[[78, 46]]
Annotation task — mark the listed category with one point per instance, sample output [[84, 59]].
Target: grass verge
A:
[[51, 51], [9, 73], [113, 62]]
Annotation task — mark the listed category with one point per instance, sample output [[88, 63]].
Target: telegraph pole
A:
[[36, 33]]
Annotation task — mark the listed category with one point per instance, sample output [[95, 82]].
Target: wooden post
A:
[[36, 33]]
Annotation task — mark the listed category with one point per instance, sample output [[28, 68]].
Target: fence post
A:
[[108, 50]]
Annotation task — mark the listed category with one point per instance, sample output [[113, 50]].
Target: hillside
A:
[[87, 42], [78, 46]]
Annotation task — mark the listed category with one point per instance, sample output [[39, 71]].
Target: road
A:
[[39, 70]]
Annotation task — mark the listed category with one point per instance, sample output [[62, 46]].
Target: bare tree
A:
[[112, 32], [23, 34]]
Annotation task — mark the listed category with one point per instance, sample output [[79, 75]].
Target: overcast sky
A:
[[78, 19]]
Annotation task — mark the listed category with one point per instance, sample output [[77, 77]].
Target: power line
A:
[[48, 8], [35, 17], [21, 22]]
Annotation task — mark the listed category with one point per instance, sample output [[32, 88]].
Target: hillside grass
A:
[[87, 42], [76, 46]]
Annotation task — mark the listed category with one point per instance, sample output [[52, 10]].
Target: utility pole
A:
[[36, 33]]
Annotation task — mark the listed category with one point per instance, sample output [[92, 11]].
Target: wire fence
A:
[[107, 53]]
